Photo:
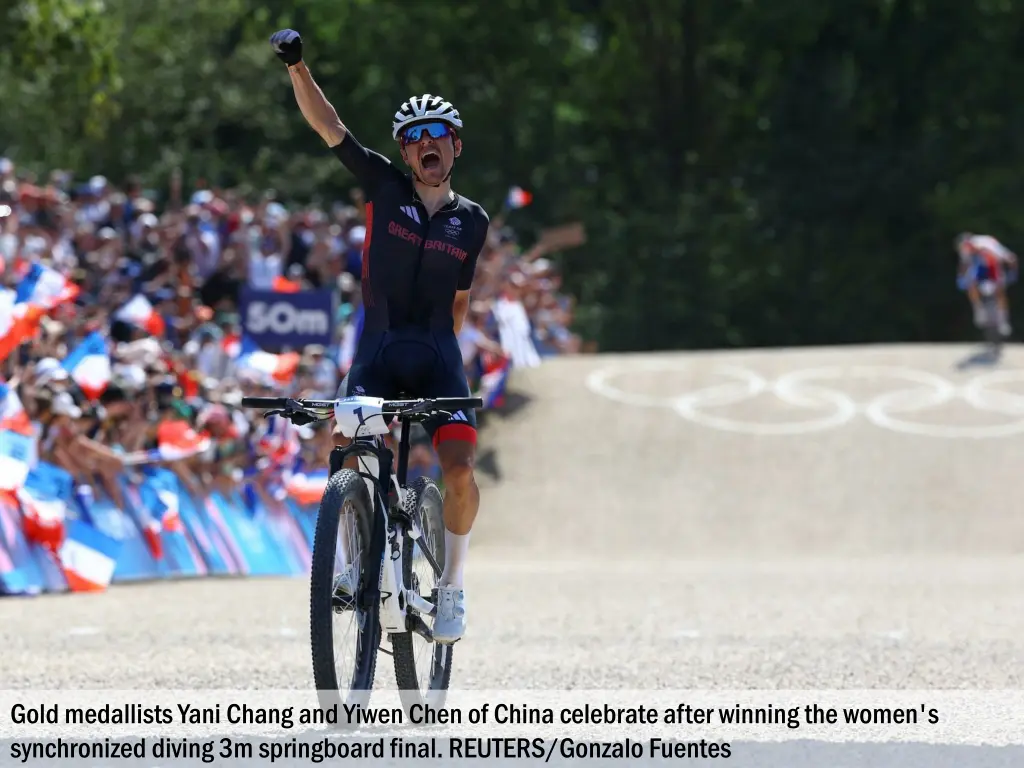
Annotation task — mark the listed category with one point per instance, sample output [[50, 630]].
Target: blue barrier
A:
[[164, 532]]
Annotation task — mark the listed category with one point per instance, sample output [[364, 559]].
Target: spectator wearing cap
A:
[[56, 420], [48, 372]]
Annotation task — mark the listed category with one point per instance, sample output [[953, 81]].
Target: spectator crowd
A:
[[122, 343]]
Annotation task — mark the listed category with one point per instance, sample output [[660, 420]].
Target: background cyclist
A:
[[982, 258], [419, 256]]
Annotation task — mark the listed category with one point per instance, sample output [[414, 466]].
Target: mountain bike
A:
[[990, 308], [396, 527]]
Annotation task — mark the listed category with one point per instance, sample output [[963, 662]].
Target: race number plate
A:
[[361, 416]]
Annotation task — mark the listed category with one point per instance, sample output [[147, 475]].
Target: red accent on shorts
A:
[[455, 432]]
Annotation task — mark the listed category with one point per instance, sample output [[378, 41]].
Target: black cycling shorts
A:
[[411, 364]]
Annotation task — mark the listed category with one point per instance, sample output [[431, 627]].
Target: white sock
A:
[[456, 547]]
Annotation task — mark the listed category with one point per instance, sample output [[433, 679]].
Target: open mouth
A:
[[430, 160]]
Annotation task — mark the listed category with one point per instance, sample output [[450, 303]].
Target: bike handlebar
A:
[[422, 407], [264, 402]]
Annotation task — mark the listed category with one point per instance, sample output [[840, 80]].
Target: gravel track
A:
[[627, 547]]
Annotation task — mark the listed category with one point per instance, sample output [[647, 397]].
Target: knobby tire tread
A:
[[344, 485], [425, 498]]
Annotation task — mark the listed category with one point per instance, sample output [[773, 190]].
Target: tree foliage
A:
[[749, 173]]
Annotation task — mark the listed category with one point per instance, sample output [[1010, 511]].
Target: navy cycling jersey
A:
[[412, 264]]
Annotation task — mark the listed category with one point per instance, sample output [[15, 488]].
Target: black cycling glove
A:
[[287, 45]]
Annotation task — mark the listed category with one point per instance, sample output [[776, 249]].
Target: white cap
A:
[[131, 377], [357, 235], [275, 212], [49, 369]]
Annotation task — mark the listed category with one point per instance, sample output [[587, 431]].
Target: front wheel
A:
[[337, 628], [423, 669]]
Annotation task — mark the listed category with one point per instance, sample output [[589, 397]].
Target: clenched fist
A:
[[287, 44]]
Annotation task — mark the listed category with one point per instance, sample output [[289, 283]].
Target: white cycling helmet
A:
[[419, 109]]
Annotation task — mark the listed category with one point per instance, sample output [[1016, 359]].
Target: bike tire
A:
[[424, 500], [343, 486]]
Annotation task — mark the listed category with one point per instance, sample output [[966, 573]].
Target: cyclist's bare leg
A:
[[461, 504], [975, 298]]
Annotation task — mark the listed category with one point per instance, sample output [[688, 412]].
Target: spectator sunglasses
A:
[[414, 133]]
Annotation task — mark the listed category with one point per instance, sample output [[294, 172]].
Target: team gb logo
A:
[[453, 228]]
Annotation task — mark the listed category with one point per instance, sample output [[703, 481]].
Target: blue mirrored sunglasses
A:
[[414, 133]]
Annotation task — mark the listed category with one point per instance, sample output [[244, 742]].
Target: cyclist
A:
[[419, 255], [984, 258]]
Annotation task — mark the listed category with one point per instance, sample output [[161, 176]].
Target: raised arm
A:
[[370, 168], [321, 116], [315, 107]]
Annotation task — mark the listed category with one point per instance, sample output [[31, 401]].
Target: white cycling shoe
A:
[[450, 620]]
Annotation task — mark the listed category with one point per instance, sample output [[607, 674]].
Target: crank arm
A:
[[415, 601]]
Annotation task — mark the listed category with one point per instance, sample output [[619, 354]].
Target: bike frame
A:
[[391, 522]]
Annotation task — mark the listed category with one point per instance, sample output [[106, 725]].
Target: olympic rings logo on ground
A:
[[890, 411]]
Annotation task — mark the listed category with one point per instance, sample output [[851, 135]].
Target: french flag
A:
[[44, 518], [494, 380], [170, 514], [89, 365], [12, 413], [307, 488], [177, 440], [45, 288], [518, 198], [18, 322], [140, 313], [281, 368], [16, 452], [88, 557], [232, 346]]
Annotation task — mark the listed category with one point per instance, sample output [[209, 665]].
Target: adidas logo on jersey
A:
[[459, 416], [411, 212]]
